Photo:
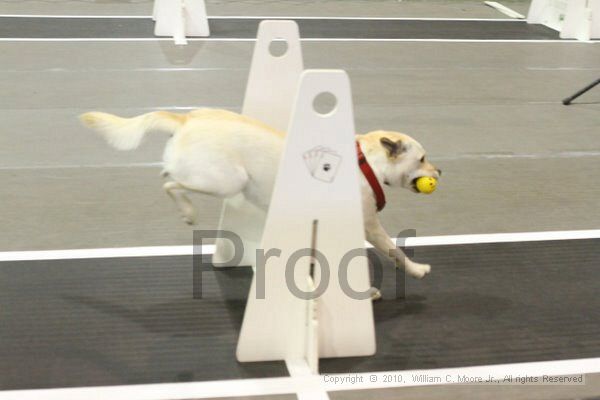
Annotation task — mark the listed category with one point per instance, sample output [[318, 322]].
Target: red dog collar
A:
[[371, 178]]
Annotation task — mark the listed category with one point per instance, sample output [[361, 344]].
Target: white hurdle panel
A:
[[314, 206], [180, 19], [574, 19], [269, 97]]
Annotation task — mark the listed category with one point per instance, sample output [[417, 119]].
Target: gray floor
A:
[[367, 8], [490, 116], [514, 159]]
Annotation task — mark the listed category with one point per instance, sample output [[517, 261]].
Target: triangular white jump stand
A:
[[313, 208], [270, 93], [574, 19], [180, 18]]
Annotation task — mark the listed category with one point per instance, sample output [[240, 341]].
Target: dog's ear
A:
[[393, 148]]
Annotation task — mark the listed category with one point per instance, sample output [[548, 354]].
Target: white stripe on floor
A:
[[475, 156], [261, 17], [504, 10], [303, 384], [155, 164], [301, 39], [155, 251]]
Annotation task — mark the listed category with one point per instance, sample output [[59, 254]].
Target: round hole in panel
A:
[[324, 103], [278, 47]]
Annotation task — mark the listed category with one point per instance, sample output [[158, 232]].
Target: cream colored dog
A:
[[215, 152]]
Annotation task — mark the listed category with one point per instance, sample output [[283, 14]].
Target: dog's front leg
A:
[[379, 238]]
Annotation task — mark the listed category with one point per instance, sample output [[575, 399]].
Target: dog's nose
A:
[[439, 171]]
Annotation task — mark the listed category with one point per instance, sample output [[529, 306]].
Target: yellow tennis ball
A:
[[426, 184]]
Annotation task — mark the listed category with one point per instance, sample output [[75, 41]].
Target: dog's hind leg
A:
[[177, 192], [222, 181]]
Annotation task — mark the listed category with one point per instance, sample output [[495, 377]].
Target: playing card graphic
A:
[[322, 163]]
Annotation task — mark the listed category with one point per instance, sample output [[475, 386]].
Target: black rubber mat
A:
[[13, 27], [490, 304], [128, 321], [120, 321]]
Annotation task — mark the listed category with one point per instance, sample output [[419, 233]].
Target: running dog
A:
[[214, 152]]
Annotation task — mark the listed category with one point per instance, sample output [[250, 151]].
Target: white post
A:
[[316, 204], [157, 4], [270, 92], [595, 7], [547, 12], [180, 18], [578, 21], [574, 19]]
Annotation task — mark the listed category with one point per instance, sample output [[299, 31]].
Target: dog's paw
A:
[[188, 215], [375, 294], [189, 219], [417, 270]]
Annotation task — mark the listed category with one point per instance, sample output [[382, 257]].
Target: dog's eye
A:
[[423, 159]]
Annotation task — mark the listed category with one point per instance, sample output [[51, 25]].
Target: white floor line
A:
[[73, 16], [505, 10], [383, 68], [144, 39], [100, 69], [483, 156], [265, 17], [494, 373], [169, 391], [563, 68], [154, 251], [517, 156], [502, 238], [150, 251], [448, 40], [302, 384], [76, 166], [362, 18], [152, 39]]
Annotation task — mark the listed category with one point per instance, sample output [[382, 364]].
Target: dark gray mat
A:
[[120, 321], [11, 27], [490, 304], [127, 321]]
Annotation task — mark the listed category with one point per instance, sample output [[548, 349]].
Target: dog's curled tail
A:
[[127, 133]]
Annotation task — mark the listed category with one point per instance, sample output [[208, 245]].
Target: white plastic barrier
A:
[[270, 92], [316, 206], [180, 18], [574, 19]]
